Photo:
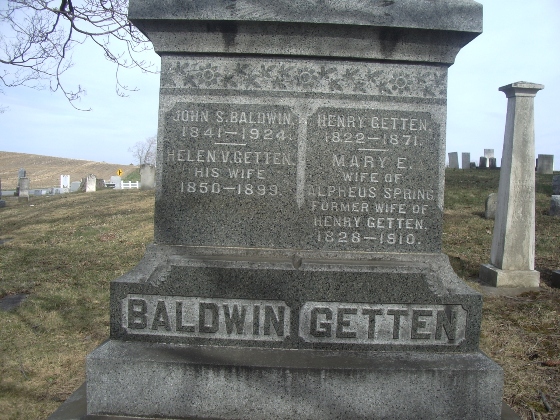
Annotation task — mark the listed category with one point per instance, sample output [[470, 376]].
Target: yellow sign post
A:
[[120, 172]]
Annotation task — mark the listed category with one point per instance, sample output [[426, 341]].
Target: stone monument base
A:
[[496, 277], [178, 381]]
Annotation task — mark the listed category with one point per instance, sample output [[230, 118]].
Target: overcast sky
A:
[[521, 42]]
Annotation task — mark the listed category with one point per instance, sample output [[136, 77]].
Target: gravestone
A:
[[483, 162], [75, 186], [147, 177], [512, 257], [2, 202], [296, 270], [23, 188], [453, 160], [490, 206], [117, 181], [466, 161], [473, 165], [64, 181], [554, 205], [556, 185], [89, 183], [545, 164], [488, 153], [22, 173], [492, 163]]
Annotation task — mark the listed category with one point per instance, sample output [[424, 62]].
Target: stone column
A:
[[512, 259]]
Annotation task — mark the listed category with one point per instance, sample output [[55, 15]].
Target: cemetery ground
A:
[[63, 251]]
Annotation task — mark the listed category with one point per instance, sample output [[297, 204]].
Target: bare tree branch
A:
[[38, 36], [144, 152]]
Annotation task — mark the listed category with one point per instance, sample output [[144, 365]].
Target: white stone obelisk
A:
[[512, 258]]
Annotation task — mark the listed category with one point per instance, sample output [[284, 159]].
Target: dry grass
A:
[[45, 171], [521, 333], [65, 250]]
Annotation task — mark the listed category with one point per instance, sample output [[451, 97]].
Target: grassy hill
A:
[[45, 171]]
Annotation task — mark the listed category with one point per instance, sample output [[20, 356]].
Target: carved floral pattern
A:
[[266, 75]]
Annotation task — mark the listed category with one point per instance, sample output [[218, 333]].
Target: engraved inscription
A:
[[335, 322], [196, 317], [233, 150], [362, 179]]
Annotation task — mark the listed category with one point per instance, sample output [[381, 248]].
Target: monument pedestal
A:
[[151, 380], [493, 276], [297, 270]]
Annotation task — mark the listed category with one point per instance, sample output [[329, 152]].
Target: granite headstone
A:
[[556, 185], [147, 176], [488, 153], [453, 160], [554, 205], [23, 188], [483, 162], [545, 164], [466, 161], [296, 270]]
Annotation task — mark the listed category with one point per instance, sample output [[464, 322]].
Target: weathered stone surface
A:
[[401, 31], [512, 258], [488, 153], [490, 206], [545, 164], [492, 163], [554, 205], [483, 162], [288, 385]]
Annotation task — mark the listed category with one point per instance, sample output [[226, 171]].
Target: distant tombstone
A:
[[488, 153], [37, 192], [554, 205], [117, 181], [466, 160], [23, 188], [492, 163], [453, 160], [483, 162], [2, 202], [285, 281], [147, 177], [490, 206], [545, 164], [556, 185], [89, 183], [99, 184], [512, 257], [473, 165], [22, 173], [64, 181], [75, 186]]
